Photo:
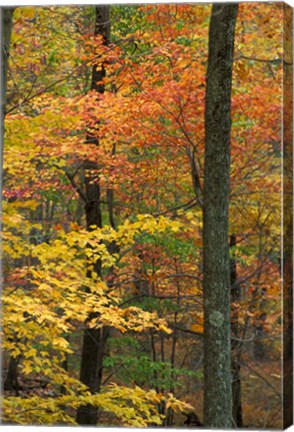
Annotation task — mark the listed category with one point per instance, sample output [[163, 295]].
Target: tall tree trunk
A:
[[6, 30], [260, 305], [94, 340], [216, 261], [236, 342], [6, 15]]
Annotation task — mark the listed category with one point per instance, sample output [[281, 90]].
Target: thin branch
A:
[[140, 296], [195, 173], [245, 278], [184, 330], [73, 182], [76, 187], [262, 378], [275, 61], [112, 373], [186, 206], [184, 275], [66, 77]]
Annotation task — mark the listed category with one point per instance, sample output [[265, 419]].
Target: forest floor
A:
[[261, 396]]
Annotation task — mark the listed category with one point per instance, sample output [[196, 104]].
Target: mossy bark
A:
[[216, 264], [7, 16]]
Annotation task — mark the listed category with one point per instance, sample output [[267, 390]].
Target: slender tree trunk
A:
[[260, 305], [236, 338], [94, 340], [6, 30], [6, 15], [216, 261], [170, 414]]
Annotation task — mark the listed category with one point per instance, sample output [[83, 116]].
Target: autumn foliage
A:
[[149, 124]]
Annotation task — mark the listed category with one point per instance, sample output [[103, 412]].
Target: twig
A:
[[66, 77], [275, 61], [262, 378]]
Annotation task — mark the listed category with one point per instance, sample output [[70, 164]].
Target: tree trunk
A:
[[216, 261], [236, 342], [6, 29], [11, 380], [6, 19], [260, 306], [94, 340]]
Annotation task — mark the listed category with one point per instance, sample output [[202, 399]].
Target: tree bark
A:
[[94, 340], [6, 18], [216, 261], [11, 381], [6, 30]]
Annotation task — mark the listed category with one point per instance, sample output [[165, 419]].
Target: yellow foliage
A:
[[57, 298], [134, 407]]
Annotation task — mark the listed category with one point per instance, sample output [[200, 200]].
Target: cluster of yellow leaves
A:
[[57, 298], [134, 407], [59, 287], [16, 228]]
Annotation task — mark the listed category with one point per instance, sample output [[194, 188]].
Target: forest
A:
[[147, 253]]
